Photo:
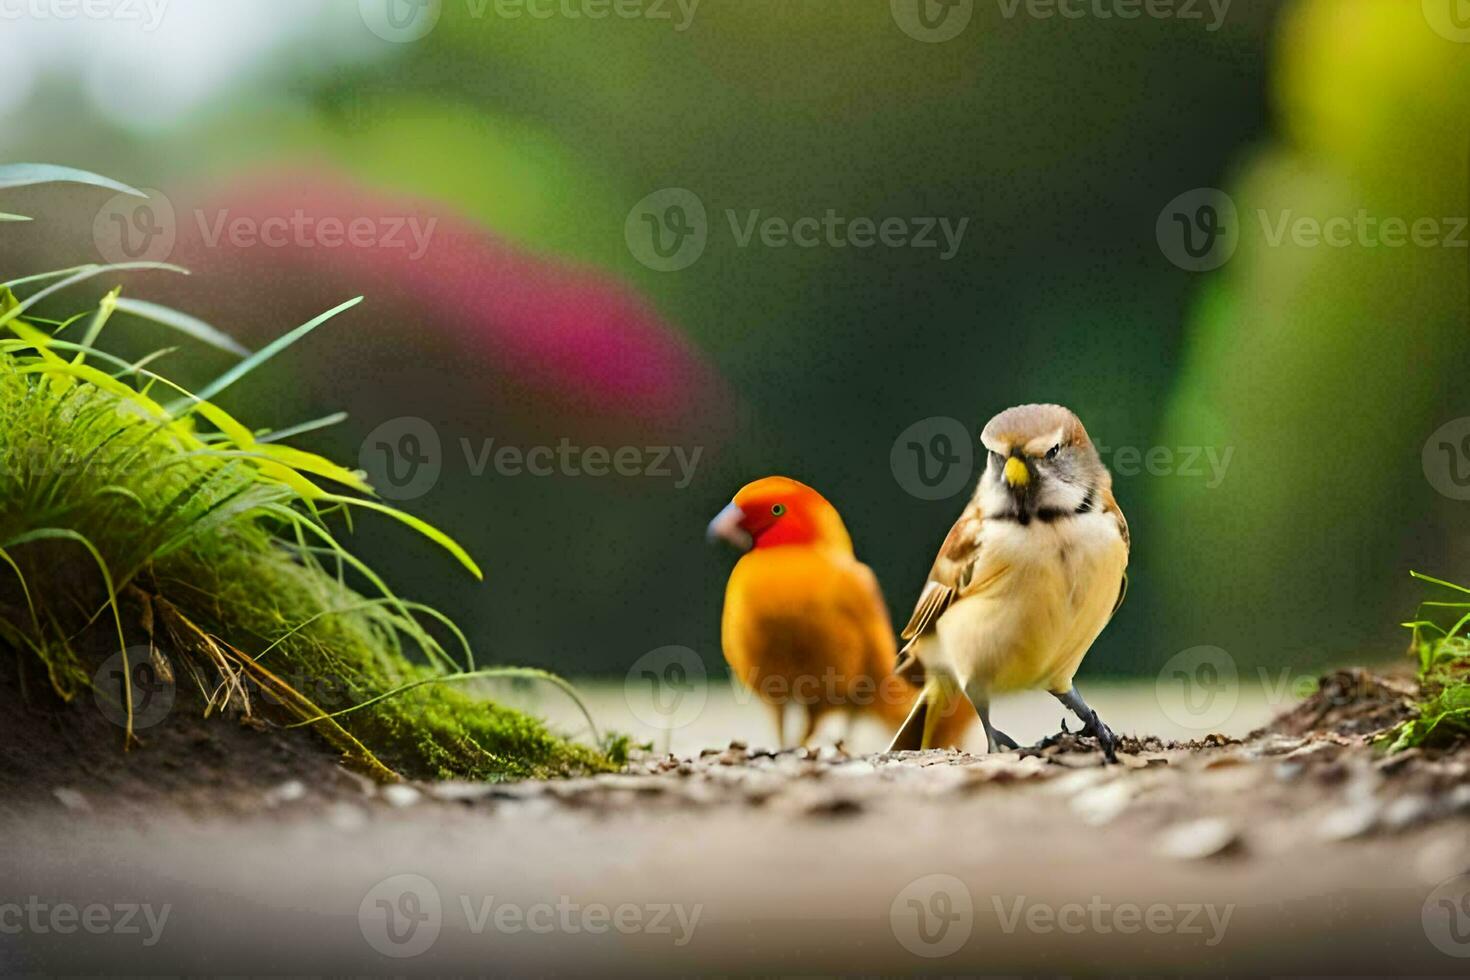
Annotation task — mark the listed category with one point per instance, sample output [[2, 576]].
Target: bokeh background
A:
[[1136, 199]]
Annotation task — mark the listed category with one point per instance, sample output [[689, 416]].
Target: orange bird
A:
[[804, 620]]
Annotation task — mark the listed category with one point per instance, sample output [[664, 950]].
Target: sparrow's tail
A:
[[936, 718]]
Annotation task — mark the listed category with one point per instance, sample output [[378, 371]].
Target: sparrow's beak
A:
[[1017, 476], [727, 527]]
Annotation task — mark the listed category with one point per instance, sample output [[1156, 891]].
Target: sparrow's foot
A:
[[1003, 740], [1091, 723]]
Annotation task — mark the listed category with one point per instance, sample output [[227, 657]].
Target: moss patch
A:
[[133, 515]]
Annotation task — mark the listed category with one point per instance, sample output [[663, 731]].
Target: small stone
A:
[[71, 799], [1198, 839], [1289, 771], [460, 791], [347, 817], [1351, 820], [288, 792], [401, 795], [1406, 811], [1102, 804]]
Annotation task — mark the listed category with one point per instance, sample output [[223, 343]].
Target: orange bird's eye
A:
[[778, 509]]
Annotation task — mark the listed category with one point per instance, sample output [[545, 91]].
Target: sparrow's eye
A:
[[777, 510], [1052, 452]]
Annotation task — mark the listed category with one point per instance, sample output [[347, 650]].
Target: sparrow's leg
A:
[[995, 739], [1091, 723]]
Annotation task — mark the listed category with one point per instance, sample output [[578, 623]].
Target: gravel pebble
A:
[[1197, 839]]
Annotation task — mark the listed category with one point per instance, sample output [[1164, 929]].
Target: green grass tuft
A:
[[132, 511], [1444, 671]]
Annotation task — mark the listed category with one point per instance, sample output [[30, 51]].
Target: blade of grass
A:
[[182, 322], [471, 675], [28, 174], [87, 272], [423, 527], [270, 350]]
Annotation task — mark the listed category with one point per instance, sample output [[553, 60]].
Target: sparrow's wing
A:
[[1111, 508], [959, 570]]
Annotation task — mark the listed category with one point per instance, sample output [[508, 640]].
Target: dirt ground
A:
[[1297, 850]]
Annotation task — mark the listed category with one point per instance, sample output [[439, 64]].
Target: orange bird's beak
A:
[[727, 526]]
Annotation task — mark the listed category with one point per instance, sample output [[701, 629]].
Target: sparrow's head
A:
[[779, 511], [1041, 464]]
